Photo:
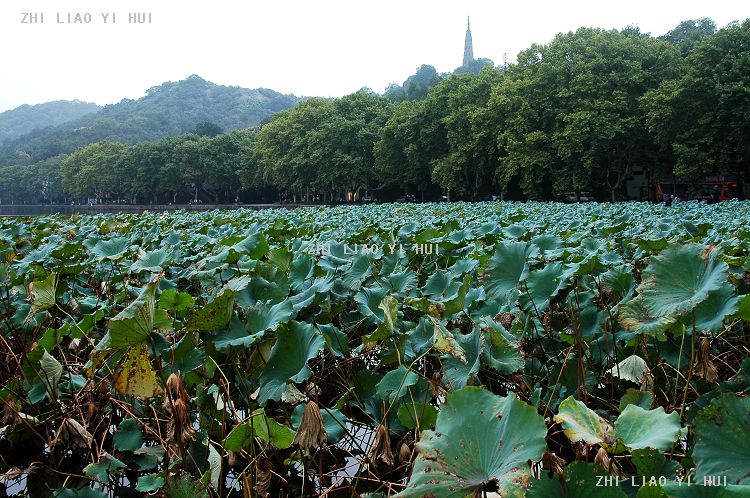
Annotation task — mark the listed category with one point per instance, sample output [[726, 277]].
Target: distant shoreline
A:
[[42, 209]]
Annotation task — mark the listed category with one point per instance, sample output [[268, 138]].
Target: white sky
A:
[[305, 47]]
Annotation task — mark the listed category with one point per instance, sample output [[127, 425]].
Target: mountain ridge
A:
[[170, 108], [19, 121]]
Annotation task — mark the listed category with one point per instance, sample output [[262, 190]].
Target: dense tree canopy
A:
[[576, 113], [324, 146], [703, 115]]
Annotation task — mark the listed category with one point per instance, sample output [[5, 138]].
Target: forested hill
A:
[[26, 118], [171, 108]]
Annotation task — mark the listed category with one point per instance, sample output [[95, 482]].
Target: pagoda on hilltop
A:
[[470, 64], [468, 45]]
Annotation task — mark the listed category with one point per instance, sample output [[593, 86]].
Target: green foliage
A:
[[680, 278], [134, 324], [323, 145], [479, 439], [295, 345], [701, 113], [184, 345], [128, 436], [722, 440], [639, 428], [689, 32]]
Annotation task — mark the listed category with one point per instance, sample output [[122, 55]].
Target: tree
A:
[[93, 171], [416, 86], [467, 167], [208, 129], [578, 121], [475, 67], [688, 33], [40, 182], [704, 114], [323, 146]]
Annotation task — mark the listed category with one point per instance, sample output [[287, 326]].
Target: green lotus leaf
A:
[[336, 341], [464, 361], [112, 249], [417, 415], [184, 356], [743, 308], [359, 270], [86, 492], [267, 284], [722, 440], [456, 304], [149, 483], [254, 245], [147, 457], [51, 373], [152, 261], [368, 301], [479, 440], [636, 317], [235, 335], [639, 428], [241, 437], [106, 464], [270, 430], [394, 385], [134, 324], [42, 293], [506, 268], [502, 349], [265, 316], [506, 360], [619, 282], [580, 423], [300, 271], [441, 286], [541, 286], [262, 427], [632, 396], [420, 339], [652, 463], [632, 368], [129, 436], [402, 282], [709, 314], [215, 315], [296, 344], [680, 278], [171, 300]]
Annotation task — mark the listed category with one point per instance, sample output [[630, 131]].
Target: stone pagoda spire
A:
[[468, 46]]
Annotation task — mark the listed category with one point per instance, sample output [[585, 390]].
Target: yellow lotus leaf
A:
[[137, 377]]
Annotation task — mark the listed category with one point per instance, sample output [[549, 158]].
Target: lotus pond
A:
[[446, 350]]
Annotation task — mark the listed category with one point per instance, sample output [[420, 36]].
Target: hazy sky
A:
[[323, 47]]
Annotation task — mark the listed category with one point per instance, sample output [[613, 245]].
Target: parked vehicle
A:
[[584, 196]]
